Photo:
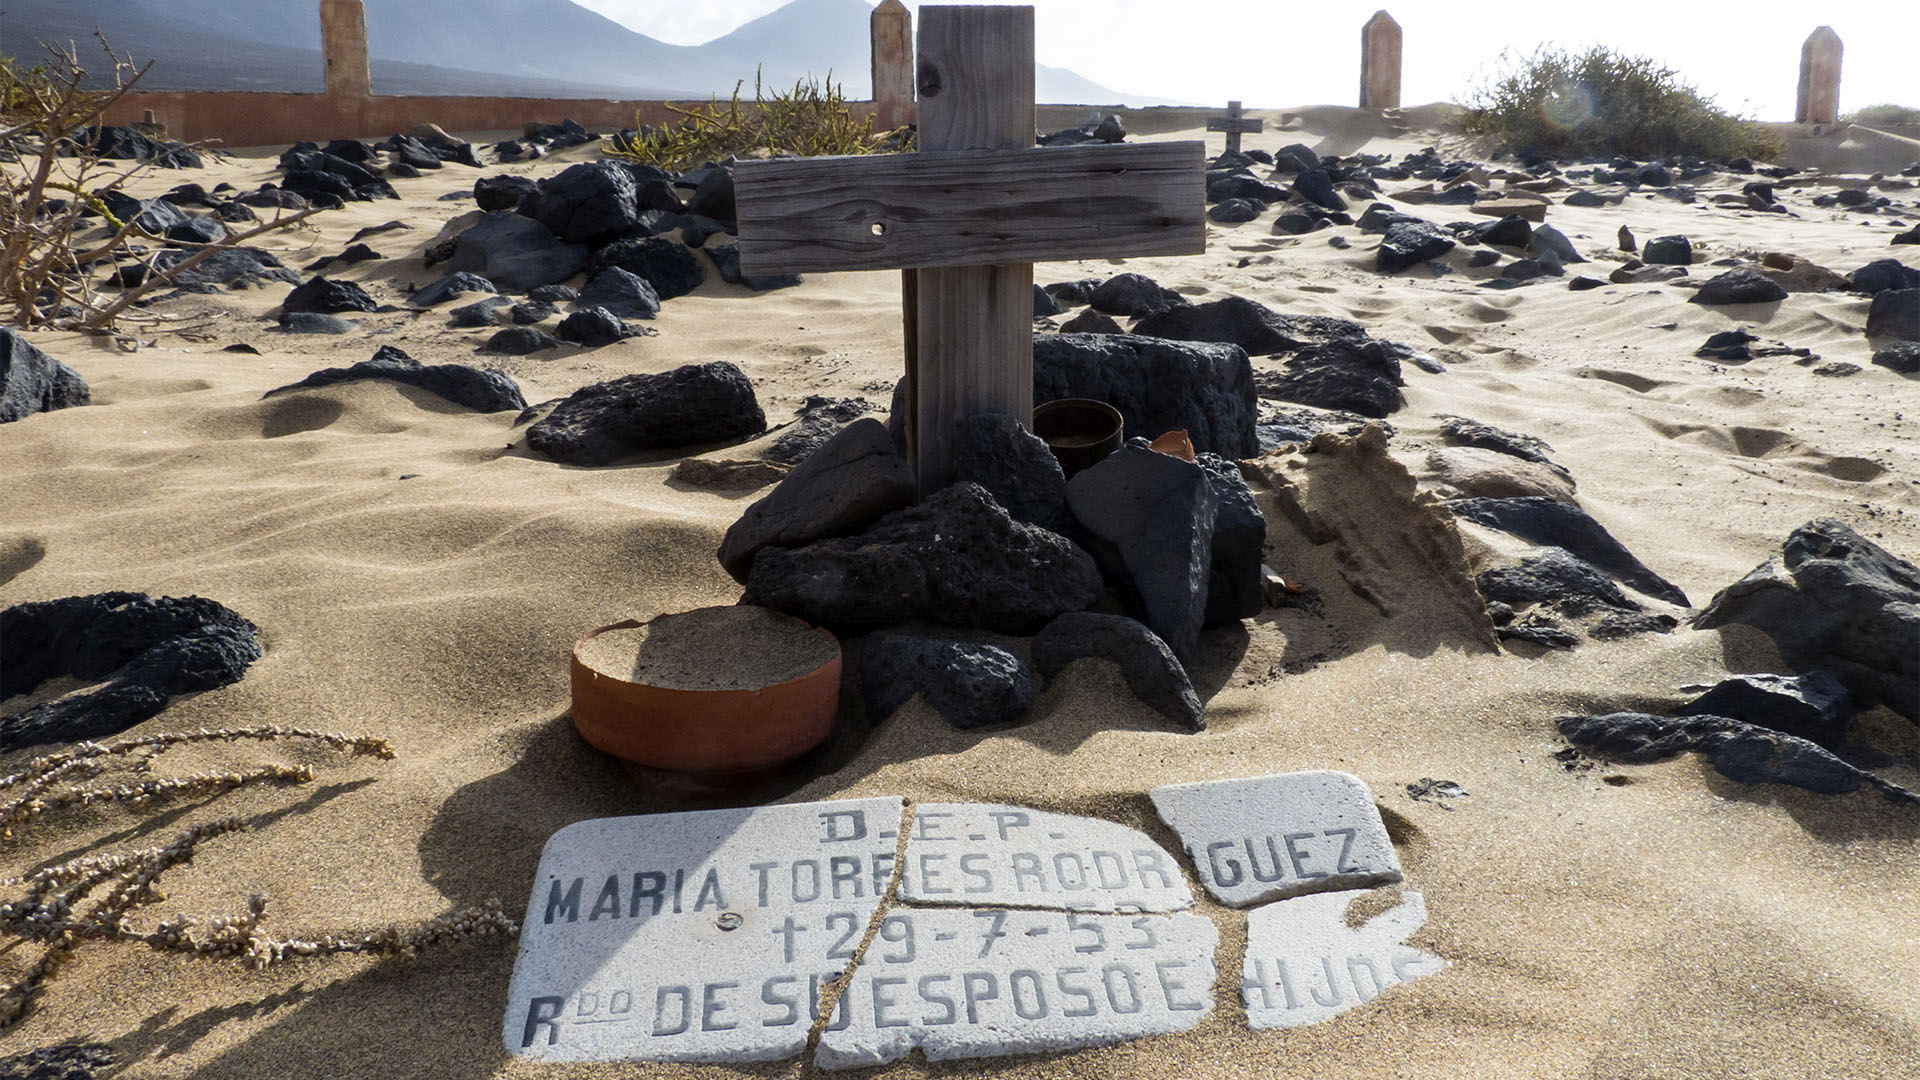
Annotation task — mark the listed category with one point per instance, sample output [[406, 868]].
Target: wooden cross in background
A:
[[1234, 124], [966, 217]]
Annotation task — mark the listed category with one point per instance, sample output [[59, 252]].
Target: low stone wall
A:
[[240, 119]]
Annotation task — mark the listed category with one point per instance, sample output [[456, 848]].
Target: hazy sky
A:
[[1270, 53]]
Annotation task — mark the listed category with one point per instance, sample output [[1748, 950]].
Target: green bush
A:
[[20, 88], [1889, 115], [808, 120], [1601, 103]]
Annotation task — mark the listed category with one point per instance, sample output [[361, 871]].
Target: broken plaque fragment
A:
[[701, 936], [1271, 837], [1305, 964], [985, 854], [962, 983]]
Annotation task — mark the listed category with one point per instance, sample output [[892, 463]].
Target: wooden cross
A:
[[1234, 124], [966, 217]]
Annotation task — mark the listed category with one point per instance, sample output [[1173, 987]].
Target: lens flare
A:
[[1567, 106]]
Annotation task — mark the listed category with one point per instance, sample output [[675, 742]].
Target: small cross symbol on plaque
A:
[[966, 217], [1234, 124]]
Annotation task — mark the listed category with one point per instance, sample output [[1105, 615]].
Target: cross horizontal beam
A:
[[1228, 123], [970, 208]]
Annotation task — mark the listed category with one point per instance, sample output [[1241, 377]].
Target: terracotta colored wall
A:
[[256, 119], [349, 110]]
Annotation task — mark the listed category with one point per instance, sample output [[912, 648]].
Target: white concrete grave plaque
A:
[[719, 936], [1305, 964], [1271, 837], [986, 854], [972, 982], [703, 936]]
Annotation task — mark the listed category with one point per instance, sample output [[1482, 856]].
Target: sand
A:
[[714, 648], [1602, 921]]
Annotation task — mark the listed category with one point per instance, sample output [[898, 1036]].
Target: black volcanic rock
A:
[[1148, 518], [1235, 320], [624, 294], [147, 651], [1157, 386], [588, 203], [1152, 672], [592, 327], [515, 253], [670, 268], [698, 403], [520, 341], [481, 391], [1834, 599], [970, 684], [1354, 375], [1741, 285], [1407, 245], [33, 382], [328, 297], [451, 287], [502, 192], [957, 559], [1814, 706], [1895, 313], [1133, 295], [1552, 523], [1556, 578], [1740, 751]]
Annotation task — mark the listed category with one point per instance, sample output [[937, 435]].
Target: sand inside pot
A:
[[714, 648]]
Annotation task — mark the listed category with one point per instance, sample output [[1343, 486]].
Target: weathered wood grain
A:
[[807, 215], [910, 346], [974, 77], [973, 346], [974, 327]]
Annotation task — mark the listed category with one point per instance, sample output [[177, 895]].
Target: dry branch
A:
[[43, 271], [52, 905]]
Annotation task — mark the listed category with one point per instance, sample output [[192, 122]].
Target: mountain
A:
[[536, 48], [188, 55], [807, 38]]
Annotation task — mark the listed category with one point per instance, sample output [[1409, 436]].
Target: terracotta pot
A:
[[1080, 431], [1174, 444], [704, 731]]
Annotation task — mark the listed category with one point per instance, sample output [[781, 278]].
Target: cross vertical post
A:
[[973, 325]]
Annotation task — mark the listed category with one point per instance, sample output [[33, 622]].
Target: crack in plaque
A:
[[830, 996], [890, 903]]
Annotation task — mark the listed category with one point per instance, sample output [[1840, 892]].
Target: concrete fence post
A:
[[1380, 63], [343, 38], [1819, 100], [892, 28]]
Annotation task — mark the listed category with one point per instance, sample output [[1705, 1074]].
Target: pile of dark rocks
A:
[[1844, 614], [1313, 192], [979, 593], [636, 236], [1324, 363], [122, 143], [1107, 131]]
